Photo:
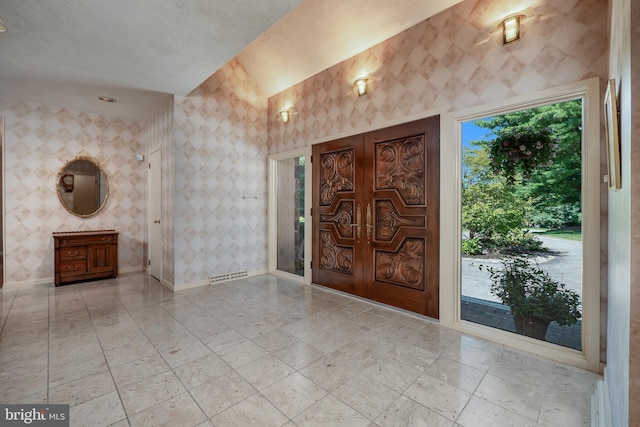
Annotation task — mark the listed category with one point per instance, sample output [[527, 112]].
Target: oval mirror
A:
[[83, 187]]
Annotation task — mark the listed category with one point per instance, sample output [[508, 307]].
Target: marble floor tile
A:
[[242, 353], [293, 394], [129, 352], [419, 358], [150, 392], [396, 375], [197, 372], [138, 370], [330, 412], [221, 340], [518, 398], [180, 411], [329, 373], [438, 396], [480, 413], [218, 394], [455, 373], [275, 340], [366, 395], [406, 412], [179, 355], [101, 411], [254, 411], [266, 351], [265, 371], [299, 355], [83, 389], [76, 369]]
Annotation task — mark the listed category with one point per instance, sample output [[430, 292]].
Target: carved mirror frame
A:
[[60, 186]]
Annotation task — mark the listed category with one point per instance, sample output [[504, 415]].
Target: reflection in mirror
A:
[[82, 187]]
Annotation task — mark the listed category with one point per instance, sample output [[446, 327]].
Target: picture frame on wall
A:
[[612, 136]]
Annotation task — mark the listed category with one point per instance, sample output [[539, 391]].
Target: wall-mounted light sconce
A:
[[284, 115], [107, 99], [510, 26], [511, 29], [361, 85]]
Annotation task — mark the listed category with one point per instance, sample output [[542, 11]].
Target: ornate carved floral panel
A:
[[405, 267], [334, 257], [342, 218], [389, 220], [400, 166], [336, 174]]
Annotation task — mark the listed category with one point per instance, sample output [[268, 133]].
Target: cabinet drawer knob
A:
[[69, 268]]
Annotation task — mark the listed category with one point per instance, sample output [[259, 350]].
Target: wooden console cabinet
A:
[[85, 255]]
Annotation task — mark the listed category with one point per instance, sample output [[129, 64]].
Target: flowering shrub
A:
[[522, 150]]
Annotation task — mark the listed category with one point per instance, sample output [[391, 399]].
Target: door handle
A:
[[157, 221], [369, 225], [358, 220]]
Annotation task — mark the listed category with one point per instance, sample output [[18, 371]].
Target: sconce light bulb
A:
[[284, 115], [361, 85], [511, 29]]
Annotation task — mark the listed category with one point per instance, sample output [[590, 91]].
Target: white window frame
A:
[[450, 225], [272, 259]]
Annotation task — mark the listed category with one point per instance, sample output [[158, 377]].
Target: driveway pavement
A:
[[564, 264]]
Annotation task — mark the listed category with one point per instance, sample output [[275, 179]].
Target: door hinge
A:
[[311, 211], [148, 262], [311, 264], [149, 165], [311, 159]]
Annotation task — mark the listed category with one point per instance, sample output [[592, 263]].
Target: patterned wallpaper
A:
[[450, 61], [220, 195], [158, 134], [39, 140]]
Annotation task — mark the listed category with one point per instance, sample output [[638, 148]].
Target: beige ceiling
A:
[[68, 52]]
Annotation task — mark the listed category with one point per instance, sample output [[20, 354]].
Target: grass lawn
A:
[[563, 233]]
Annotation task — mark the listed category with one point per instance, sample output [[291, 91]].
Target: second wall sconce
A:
[[511, 29], [361, 85], [510, 25], [284, 115]]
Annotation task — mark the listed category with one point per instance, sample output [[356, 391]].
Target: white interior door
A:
[[155, 211]]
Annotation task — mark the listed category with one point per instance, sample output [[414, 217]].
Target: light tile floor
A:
[[265, 351]]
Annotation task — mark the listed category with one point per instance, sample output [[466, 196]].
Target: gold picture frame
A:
[[612, 136]]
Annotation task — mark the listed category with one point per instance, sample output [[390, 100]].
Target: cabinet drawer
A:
[[73, 267], [71, 253], [87, 240]]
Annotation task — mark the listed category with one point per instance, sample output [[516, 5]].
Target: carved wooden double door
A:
[[376, 215]]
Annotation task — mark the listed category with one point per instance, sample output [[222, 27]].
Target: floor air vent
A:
[[219, 278]]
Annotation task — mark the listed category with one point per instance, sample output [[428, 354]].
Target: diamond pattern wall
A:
[[39, 140], [449, 61], [220, 205]]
